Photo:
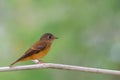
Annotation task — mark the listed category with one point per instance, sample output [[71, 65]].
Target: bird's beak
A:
[[56, 37]]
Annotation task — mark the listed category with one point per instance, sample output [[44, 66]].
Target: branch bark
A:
[[60, 66]]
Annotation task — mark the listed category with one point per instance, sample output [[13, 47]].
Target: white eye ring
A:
[[49, 37]]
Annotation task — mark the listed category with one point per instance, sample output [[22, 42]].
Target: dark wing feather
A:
[[31, 51]]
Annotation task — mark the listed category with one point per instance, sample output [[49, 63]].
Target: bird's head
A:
[[48, 37]]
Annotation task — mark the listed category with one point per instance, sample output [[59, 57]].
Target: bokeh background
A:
[[88, 31]]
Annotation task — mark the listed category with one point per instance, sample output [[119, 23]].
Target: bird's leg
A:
[[40, 61], [37, 61]]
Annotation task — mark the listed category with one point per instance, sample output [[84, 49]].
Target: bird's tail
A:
[[13, 63], [20, 59]]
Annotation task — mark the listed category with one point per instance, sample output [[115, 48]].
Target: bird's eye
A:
[[49, 37]]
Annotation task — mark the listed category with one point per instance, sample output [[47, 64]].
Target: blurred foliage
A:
[[88, 32]]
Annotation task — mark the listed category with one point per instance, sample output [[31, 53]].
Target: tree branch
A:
[[60, 66]]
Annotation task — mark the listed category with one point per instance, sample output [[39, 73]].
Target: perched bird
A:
[[38, 50]]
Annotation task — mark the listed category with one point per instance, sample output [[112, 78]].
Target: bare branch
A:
[[60, 66]]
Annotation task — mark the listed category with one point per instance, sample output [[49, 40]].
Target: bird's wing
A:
[[31, 51]]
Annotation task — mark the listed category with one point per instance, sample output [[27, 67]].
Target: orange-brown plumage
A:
[[39, 49]]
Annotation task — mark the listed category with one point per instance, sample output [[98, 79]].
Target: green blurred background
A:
[[88, 32]]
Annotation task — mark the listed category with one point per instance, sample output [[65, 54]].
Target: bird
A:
[[38, 49]]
